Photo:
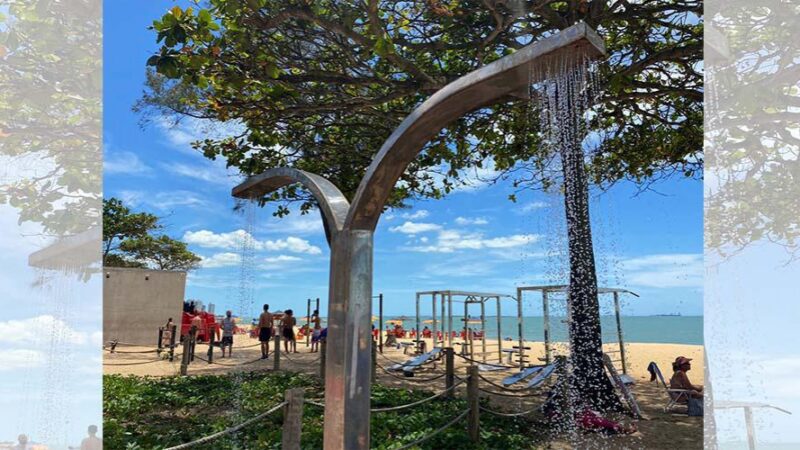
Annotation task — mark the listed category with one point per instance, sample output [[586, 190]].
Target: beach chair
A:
[[676, 397], [409, 366], [521, 375]]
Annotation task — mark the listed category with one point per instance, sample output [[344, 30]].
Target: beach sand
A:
[[660, 430]]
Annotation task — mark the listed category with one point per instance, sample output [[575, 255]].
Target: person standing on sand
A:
[[166, 336], [317, 330], [227, 333], [265, 331], [92, 442], [287, 325]]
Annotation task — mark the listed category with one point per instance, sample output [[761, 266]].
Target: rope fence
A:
[[418, 402], [502, 414], [503, 394], [230, 430], [435, 432]]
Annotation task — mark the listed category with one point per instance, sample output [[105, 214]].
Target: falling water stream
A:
[[245, 304], [563, 99]]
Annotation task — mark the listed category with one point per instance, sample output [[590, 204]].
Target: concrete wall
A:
[[138, 301]]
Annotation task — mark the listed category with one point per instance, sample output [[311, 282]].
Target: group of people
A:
[[91, 442], [286, 323]]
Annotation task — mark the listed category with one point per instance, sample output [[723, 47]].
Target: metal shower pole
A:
[[449, 320], [546, 312], [499, 333], [619, 334], [308, 322], [417, 332], [433, 310], [483, 328], [380, 322]]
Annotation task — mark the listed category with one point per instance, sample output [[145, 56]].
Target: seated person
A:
[[680, 380]]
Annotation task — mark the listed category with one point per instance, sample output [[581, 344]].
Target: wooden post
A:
[[172, 343], [619, 334], [473, 422], [192, 342], [308, 323], [276, 355], [211, 337], [186, 358], [751, 433], [380, 322], [322, 350], [449, 367], [374, 361], [292, 419], [160, 339]]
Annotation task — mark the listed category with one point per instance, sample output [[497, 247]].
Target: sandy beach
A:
[[659, 430]]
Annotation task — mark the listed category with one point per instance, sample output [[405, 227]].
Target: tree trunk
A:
[[589, 381]]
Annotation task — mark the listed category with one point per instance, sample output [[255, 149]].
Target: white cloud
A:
[[449, 241], [281, 262], [188, 130], [281, 258], [295, 223], [236, 239], [665, 270], [209, 173], [163, 201], [20, 359], [38, 330], [421, 214], [123, 162], [530, 207], [471, 221], [409, 227], [225, 259]]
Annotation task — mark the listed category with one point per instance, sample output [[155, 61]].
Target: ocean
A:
[[642, 329], [646, 329]]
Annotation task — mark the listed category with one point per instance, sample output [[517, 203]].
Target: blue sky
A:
[[475, 239]]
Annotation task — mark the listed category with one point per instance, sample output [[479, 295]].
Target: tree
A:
[[119, 224], [128, 242], [333, 79], [50, 113], [162, 252]]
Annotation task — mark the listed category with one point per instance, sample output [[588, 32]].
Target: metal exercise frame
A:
[[350, 226], [446, 303], [562, 288]]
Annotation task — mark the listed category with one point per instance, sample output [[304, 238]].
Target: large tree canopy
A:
[[50, 112], [319, 85]]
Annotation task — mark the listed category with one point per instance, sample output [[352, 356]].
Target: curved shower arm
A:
[[332, 203], [506, 78]]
